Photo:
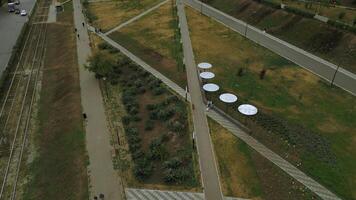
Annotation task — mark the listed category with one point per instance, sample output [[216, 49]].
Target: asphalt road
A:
[[10, 28], [103, 178], [208, 168]]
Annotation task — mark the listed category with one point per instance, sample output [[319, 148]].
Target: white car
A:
[[23, 13]]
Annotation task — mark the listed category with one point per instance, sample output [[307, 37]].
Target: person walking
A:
[[83, 24], [95, 198], [78, 35], [101, 196]]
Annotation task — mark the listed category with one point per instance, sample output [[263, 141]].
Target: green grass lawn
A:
[[334, 45], [298, 108], [156, 43]]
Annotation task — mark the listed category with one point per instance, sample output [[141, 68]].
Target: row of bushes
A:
[[342, 25], [307, 14], [177, 50], [270, 3], [299, 12]]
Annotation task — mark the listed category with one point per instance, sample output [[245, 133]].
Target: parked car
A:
[[23, 13], [11, 7], [17, 11], [17, 2]]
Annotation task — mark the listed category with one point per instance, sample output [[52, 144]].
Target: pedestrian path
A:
[[308, 182], [145, 194], [102, 176], [208, 168]]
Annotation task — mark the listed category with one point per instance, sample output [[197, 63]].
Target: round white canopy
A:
[[207, 75], [228, 98], [247, 109], [211, 87], [204, 65]]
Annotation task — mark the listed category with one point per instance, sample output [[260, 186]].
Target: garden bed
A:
[[156, 126]]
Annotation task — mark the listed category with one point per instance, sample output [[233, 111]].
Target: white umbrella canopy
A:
[[211, 87], [207, 75], [247, 109], [228, 98], [204, 65]]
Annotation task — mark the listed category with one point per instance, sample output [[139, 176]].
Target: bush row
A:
[[342, 25]]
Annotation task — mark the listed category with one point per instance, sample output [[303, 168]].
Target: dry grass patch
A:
[[112, 13], [60, 164], [155, 42]]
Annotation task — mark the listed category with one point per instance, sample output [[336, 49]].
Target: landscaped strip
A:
[[58, 170]]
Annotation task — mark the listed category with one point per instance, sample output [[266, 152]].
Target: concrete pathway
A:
[[208, 168], [103, 178], [136, 18], [308, 182], [145, 194]]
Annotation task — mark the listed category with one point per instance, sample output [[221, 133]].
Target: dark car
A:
[[17, 11]]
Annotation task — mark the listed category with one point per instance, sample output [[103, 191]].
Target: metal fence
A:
[[324, 69]]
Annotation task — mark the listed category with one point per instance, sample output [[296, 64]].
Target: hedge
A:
[[342, 25], [299, 12]]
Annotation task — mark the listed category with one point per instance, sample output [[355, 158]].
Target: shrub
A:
[[165, 114], [149, 125], [136, 118], [126, 120], [342, 25], [104, 45], [341, 15], [157, 150], [151, 106], [137, 154], [172, 99], [133, 110], [143, 168], [299, 12], [176, 126], [272, 4], [158, 90]]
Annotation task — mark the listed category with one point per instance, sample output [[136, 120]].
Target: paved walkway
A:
[[136, 18], [103, 178], [208, 168], [145, 194], [308, 182]]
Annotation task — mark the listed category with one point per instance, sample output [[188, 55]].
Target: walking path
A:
[[103, 178], [308, 182], [208, 168], [145, 194], [136, 18]]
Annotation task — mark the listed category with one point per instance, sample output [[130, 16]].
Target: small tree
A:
[[102, 64], [262, 74]]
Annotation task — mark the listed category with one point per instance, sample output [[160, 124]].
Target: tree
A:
[[102, 64]]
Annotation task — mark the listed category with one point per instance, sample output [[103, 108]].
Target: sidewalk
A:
[[208, 168], [103, 178]]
